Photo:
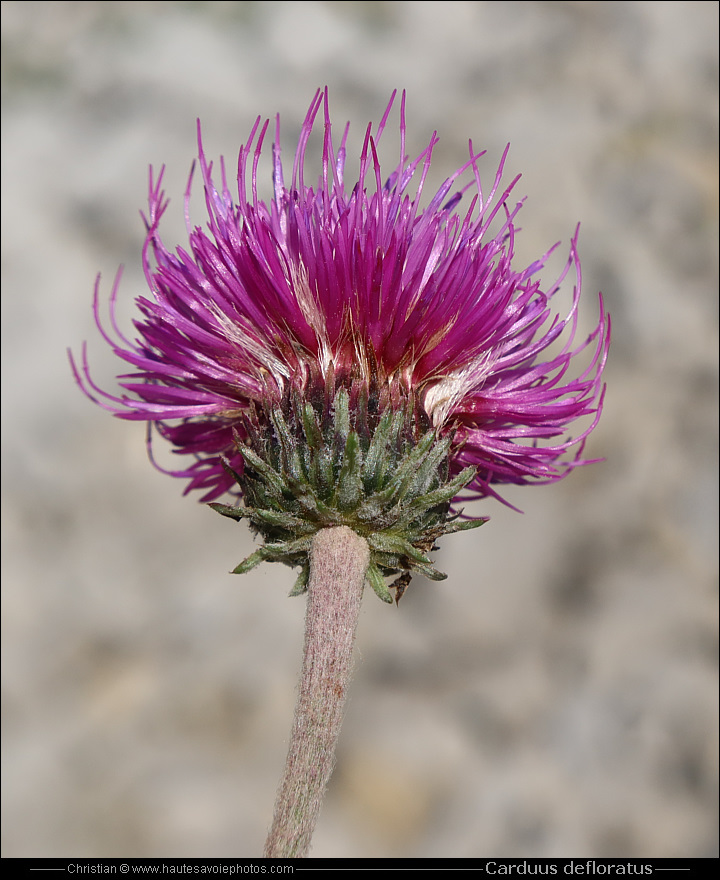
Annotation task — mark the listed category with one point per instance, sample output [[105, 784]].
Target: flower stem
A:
[[338, 562]]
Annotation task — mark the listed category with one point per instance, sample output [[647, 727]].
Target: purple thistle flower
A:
[[356, 286]]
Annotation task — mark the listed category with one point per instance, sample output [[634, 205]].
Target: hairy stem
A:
[[338, 563]]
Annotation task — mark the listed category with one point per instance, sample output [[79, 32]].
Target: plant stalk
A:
[[338, 562]]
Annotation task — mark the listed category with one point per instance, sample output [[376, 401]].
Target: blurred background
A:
[[557, 695]]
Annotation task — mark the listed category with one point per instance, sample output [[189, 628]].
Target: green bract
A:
[[378, 468]]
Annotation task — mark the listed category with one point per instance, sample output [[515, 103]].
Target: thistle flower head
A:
[[345, 354]]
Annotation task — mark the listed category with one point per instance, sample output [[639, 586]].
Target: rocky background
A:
[[557, 695]]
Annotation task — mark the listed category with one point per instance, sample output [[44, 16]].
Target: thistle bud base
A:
[[347, 457]]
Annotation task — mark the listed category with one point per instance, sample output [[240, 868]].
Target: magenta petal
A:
[[361, 280]]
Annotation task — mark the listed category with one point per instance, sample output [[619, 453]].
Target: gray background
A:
[[557, 695]]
